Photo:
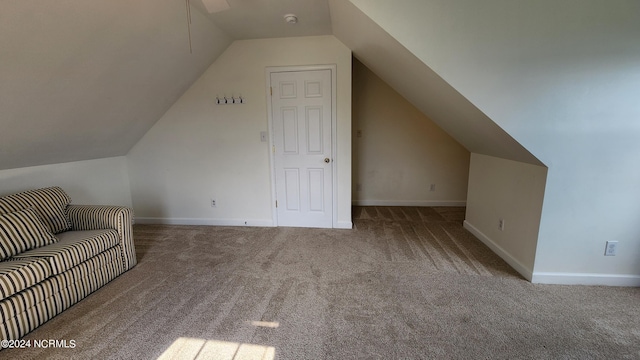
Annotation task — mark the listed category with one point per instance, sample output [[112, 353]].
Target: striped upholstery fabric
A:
[[38, 284], [22, 230], [73, 248], [91, 217], [49, 203], [19, 274], [24, 311]]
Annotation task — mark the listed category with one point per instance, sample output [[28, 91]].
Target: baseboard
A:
[[408, 203], [344, 225], [585, 279], [554, 277], [200, 221], [515, 264], [221, 222]]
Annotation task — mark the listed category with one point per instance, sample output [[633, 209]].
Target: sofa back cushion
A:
[[21, 231], [49, 203]]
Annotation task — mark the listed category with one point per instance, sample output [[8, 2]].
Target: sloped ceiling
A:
[[419, 84], [86, 79]]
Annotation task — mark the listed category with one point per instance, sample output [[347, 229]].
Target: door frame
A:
[[334, 125]]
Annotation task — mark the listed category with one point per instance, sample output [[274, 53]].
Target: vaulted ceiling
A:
[[83, 80]]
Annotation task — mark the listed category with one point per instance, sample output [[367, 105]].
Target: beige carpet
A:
[[406, 283]]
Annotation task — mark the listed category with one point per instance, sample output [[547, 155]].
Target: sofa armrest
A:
[[95, 217]]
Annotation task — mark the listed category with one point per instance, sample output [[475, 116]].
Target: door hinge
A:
[[271, 90], [276, 203], [273, 149]]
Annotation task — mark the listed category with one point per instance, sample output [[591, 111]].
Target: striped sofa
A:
[[53, 254]]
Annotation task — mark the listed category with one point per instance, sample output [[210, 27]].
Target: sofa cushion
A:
[[28, 309], [50, 203], [19, 274], [73, 248], [22, 230]]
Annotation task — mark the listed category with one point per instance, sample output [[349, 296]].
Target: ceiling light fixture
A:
[[291, 18]]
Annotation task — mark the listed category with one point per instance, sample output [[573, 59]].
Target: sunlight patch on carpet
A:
[[192, 348]]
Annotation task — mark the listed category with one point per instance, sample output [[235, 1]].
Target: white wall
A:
[[512, 191], [401, 152], [90, 182], [562, 78], [199, 150]]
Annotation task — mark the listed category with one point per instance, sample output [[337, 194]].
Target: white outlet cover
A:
[[611, 249]]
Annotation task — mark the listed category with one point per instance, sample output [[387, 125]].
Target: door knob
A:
[[327, 160]]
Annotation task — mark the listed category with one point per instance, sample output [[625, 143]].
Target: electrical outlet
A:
[[501, 224], [213, 202], [432, 187], [611, 249]]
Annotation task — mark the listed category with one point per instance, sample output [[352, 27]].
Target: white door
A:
[[301, 115]]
